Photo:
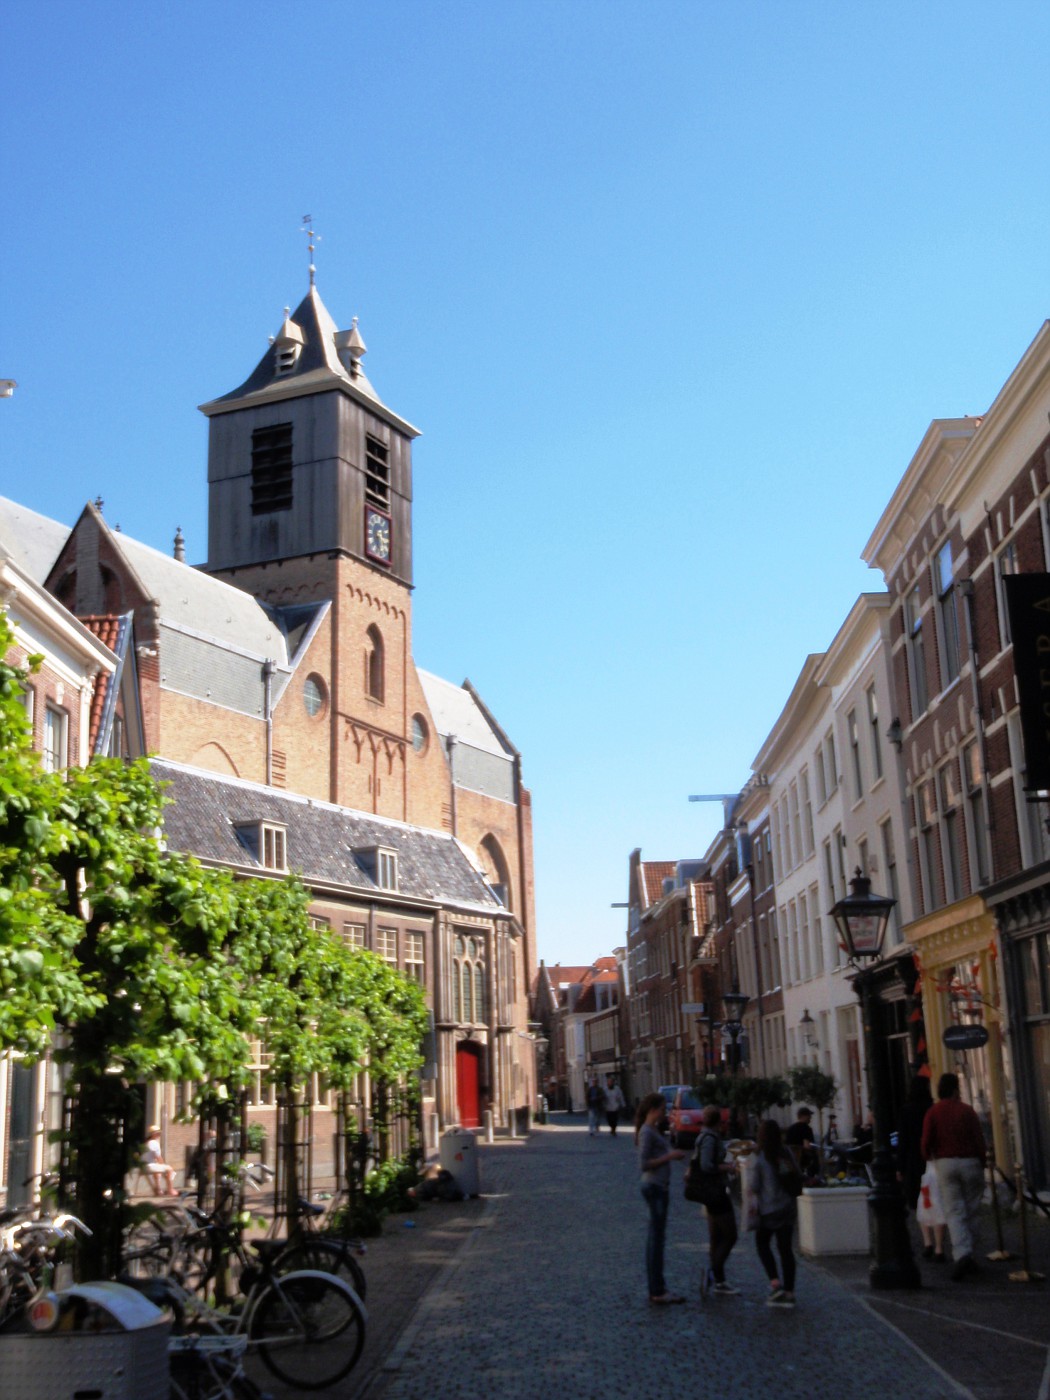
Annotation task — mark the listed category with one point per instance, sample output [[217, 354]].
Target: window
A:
[[414, 966], [386, 945], [807, 813], [917, 655], [927, 804], [796, 825], [262, 1093], [28, 699], [889, 860], [354, 935], [375, 679], [273, 847], [272, 469], [315, 696], [854, 747], [377, 472], [949, 614], [420, 734], [1005, 565], [948, 783], [822, 786], [873, 730], [386, 869], [55, 753], [319, 922], [831, 764], [978, 820]]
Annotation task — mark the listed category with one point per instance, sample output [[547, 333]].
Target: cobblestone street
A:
[[548, 1290]]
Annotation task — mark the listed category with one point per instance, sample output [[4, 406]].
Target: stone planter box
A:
[[833, 1220]]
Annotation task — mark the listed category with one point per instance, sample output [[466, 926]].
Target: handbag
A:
[[704, 1188], [789, 1177]]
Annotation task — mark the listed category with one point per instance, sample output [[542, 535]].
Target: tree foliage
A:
[[135, 963]]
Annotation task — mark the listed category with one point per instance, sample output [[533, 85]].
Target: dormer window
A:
[[286, 358], [267, 843], [381, 863], [274, 847]]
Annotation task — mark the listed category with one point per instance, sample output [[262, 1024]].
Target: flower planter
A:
[[833, 1220]]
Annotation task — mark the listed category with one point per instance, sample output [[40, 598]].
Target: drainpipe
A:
[[452, 741], [267, 675], [966, 588]]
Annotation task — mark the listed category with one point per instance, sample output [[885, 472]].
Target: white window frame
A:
[[54, 744]]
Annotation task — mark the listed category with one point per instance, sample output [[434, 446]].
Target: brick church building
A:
[[278, 692]]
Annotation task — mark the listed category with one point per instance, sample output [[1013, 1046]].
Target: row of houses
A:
[[274, 687], [901, 752]]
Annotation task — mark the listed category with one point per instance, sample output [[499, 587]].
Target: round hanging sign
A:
[[965, 1037]]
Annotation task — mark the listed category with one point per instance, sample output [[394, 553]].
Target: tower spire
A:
[[308, 229]]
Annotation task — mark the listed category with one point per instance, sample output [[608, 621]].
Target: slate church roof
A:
[[30, 540], [325, 843], [324, 360]]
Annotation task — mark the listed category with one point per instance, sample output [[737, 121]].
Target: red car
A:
[[684, 1112]]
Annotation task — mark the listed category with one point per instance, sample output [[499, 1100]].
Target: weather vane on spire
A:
[[308, 229]]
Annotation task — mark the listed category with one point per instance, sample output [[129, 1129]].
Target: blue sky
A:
[[673, 291]]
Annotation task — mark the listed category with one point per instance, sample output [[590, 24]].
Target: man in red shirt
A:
[[953, 1141]]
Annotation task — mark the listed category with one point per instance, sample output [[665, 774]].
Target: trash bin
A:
[[459, 1156], [123, 1357]]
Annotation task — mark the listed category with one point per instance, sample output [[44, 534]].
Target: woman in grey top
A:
[[772, 1175], [655, 1155]]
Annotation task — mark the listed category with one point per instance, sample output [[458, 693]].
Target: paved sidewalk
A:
[[551, 1285]]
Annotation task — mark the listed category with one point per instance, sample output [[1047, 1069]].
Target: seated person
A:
[[155, 1166], [799, 1137], [831, 1137]]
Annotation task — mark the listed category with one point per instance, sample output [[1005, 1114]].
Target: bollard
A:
[[512, 1122], [490, 1135]]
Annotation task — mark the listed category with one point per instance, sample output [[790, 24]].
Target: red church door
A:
[[468, 1085]]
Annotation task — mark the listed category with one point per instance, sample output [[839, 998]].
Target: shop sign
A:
[[965, 1037]]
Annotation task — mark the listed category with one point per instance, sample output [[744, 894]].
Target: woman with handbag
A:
[[775, 1185], [655, 1155], [711, 1174]]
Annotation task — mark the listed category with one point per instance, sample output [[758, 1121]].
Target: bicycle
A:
[[307, 1326]]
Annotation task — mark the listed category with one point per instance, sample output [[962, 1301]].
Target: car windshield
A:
[[689, 1100]]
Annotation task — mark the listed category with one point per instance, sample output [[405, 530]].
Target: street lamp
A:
[[733, 1004], [862, 918], [808, 1028]]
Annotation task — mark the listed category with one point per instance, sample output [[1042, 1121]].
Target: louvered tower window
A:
[[377, 472], [272, 469]]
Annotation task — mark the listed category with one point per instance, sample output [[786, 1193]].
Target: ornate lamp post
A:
[[733, 1004], [862, 918]]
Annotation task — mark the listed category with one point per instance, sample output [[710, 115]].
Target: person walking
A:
[[911, 1166], [775, 1182], [709, 1156], [655, 1155], [952, 1139], [615, 1102], [595, 1102]]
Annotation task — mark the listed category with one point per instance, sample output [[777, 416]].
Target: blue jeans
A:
[[657, 1198]]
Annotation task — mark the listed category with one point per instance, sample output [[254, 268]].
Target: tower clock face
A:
[[377, 535]]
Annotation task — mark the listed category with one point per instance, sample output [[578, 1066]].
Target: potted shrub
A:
[[832, 1214]]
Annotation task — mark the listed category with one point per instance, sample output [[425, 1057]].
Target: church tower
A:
[[310, 502], [305, 459]]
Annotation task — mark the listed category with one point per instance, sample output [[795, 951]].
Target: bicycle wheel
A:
[[327, 1256], [309, 1329]]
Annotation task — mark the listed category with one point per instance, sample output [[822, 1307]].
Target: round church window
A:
[[420, 734], [315, 696]]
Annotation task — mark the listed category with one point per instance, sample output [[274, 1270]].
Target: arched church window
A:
[[479, 992], [495, 868], [468, 993], [374, 664]]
